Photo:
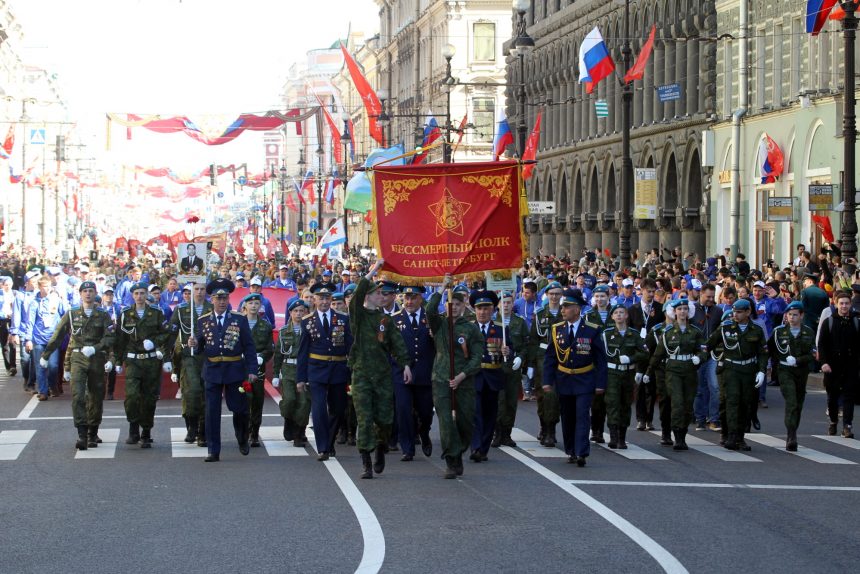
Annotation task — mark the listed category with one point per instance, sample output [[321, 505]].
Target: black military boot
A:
[[242, 437], [146, 439], [458, 466], [341, 437], [450, 467], [497, 438], [81, 443], [379, 459], [288, 430], [731, 441], [597, 435], [683, 435], [679, 440], [622, 437], [791, 441], [831, 429], [742, 444], [542, 433], [191, 429], [133, 433], [299, 438], [367, 464], [350, 438], [550, 440], [666, 437], [255, 436], [613, 437], [506, 438], [426, 444], [93, 439]]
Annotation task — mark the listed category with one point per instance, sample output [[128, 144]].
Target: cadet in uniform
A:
[[325, 343], [626, 355], [224, 339], [657, 373], [261, 332], [518, 331], [744, 362], [454, 398], [113, 309], [539, 342], [575, 366], [682, 347], [190, 365], [91, 342], [375, 340], [599, 315], [490, 379], [417, 396], [141, 336], [792, 347], [295, 398]]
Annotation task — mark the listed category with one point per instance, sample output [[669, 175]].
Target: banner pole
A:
[[451, 350]]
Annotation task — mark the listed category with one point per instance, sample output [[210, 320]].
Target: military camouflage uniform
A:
[[509, 396], [547, 401], [621, 379], [295, 406], [598, 404], [190, 368], [261, 332]]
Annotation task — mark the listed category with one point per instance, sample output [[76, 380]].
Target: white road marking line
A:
[[181, 449], [669, 563], [273, 440], [12, 443], [28, 408], [107, 449], [120, 417], [847, 442], [714, 450], [531, 445], [632, 451], [802, 451], [718, 485]]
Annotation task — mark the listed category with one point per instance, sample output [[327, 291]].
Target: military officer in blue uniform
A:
[[575, 368], [224, 338], [417, 396], [323, 349], [491, 378]]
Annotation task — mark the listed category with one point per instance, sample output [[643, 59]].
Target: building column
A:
[[593, 239], [693, 240], [648, 240], [548, 243], [577, 244], [609, 240], [693, 89], [670, 237], [659, 75], [535, 242]]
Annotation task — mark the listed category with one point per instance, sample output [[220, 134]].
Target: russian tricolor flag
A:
[[770, 159], [816, 14], [504, 135], [595, 63]]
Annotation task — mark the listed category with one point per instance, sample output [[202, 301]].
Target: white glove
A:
[[646, 379], [174, 378], [530, 372], [638, 378], [43, 362], [88, 351], [67, 376], [108, 367], [167, 367], [159, 355], [790, 361], [696, 360], [148, 345], [118, 370], [518, 362], [624, 360], [759, 379], [259, 359], [276, 382]]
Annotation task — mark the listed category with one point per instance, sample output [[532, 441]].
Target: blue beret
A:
[[726, 316], [601, 289], [794, 305], [139, 285], [553, 285], [296, 302], [507, 294], [252, 297], [350, 289], [614, 307], [87, 285], [678, 302], [460, 292], [337, 297], [741, 305]]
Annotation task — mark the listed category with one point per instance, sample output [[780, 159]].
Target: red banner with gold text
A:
[[436, 219]]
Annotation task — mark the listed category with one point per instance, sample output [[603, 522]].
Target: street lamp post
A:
[[300, 232], [849, 132], [283, 183], [320, 153], [523, 46], [626, 159], [448, 84], [383, 119]]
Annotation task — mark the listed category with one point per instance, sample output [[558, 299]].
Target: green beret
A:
[[741, 305], [139, 285], [87, 285]]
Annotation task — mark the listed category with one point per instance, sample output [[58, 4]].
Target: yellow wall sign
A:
[[645, 193]]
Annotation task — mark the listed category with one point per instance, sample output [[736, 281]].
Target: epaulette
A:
[[340, 313], [236, 313], [727, 323], [610, 328], [75, 307], [590, 324], [182, 305], [657, 326], [398, 312], [559, 323], [204, 315], [308, 316]]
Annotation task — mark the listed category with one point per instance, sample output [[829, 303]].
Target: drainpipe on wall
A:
[[737, 117]]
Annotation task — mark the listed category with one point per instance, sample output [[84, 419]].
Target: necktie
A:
[[569, 333], [414, 320], [325, 323], [220, 322], [484, 330]]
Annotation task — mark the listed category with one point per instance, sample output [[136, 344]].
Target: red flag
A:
[[308, 184], [258, 253], [291, 203], [335, 133], [238, 246], [638, 69], [838, 13], [822, 222], [531, 149], [368, 96], [368, 217], [607, 252], [133, 245], [462, 129], [120, 243], [9, 142]]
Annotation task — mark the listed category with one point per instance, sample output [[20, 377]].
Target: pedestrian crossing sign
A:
[[601, 107], [37, 136]]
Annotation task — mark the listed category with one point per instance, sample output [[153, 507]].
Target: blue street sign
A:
[[313, 224], [220, 194], [669, 92], [37, 136], [243, 180]]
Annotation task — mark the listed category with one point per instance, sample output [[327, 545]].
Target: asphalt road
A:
[[526, 510]]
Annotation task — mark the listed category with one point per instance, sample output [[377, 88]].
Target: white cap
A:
[[759, 284], [695, 284], [628, 282], [257, 281]]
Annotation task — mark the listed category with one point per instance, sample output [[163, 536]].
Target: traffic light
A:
[[61, 148], [211, 174], [301, 232]]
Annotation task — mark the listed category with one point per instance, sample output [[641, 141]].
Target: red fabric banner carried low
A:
[[277, 297], [458, 219]]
